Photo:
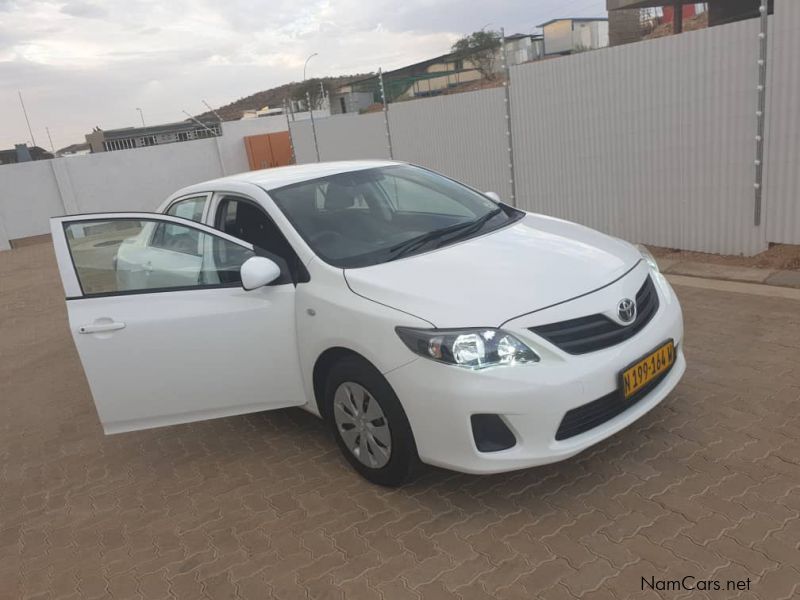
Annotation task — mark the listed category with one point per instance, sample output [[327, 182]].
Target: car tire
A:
[[358, 385]]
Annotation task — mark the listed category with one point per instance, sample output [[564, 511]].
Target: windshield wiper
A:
[[404, 248], [473, 226]]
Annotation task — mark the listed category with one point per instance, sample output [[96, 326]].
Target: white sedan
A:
[[422, 319]]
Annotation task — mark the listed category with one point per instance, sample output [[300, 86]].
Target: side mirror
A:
[[492, 196], [257, 272]]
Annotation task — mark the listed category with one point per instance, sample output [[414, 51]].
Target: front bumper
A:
[[533, 399]]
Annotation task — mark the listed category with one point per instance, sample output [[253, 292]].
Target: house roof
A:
[[74, 148], [628, 4], [431, 61], [155, 129], [574, 19]]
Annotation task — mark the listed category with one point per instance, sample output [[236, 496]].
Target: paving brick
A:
[[262, 506]]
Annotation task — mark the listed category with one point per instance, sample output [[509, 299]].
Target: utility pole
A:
[[141, 114], [212, 111], [385, 102], [52, 147], [507, 102], [27, 120], [313, 126], [203, 125], [761, 109]]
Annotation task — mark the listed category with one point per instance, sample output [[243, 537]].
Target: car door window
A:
[[247, 221], [188, 208], [139, 255]]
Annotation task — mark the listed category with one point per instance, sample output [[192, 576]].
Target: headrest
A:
[[339, 197]]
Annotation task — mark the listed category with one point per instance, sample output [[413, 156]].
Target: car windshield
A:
[[371, 216]]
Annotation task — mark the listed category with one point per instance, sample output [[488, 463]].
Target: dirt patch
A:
[[779, 256]]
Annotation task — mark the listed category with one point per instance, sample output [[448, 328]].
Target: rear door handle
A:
[[101, 327]]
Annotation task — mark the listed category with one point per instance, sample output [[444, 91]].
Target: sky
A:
[[86, 63]]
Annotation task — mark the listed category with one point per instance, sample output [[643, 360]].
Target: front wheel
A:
[[369, 423]]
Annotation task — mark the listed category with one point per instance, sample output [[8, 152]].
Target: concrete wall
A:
[[28, 197], [341, 137], [136, 180], [460, 135]]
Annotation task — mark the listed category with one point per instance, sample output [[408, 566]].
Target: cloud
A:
[[84, 9], [77, 72]]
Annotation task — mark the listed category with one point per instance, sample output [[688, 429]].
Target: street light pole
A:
[[141, 114], [306, 64]]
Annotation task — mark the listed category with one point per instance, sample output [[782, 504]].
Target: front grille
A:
[[595, 332], [588, 416]]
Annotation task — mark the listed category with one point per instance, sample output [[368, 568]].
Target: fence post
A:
[[313, 127], [220, 154], [761, 110], [289, 129], [507, 103], [385, 114]]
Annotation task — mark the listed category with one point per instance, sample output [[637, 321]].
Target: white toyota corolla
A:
[[421, 318]]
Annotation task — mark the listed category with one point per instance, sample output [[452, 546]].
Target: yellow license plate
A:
[[647, 369]]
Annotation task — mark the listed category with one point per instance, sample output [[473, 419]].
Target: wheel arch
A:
[[322, 367]]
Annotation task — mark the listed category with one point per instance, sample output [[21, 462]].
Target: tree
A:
[[480, 48]]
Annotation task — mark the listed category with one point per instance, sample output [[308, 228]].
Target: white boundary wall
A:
[[782, 160], [125, 180], [653, 142]]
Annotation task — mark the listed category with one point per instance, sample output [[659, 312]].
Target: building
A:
[[101, 140], [262, 112], [74, 150], [524, 47], [429, 77], [720, 12], [568, 35], [23, 153]]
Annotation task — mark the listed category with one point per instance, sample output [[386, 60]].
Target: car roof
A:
[[276, 177]]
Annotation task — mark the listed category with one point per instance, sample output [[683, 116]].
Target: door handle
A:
[[101, 327]]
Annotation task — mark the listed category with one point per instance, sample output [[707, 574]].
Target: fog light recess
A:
[[491, 433]]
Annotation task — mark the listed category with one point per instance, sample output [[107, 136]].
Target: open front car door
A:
[[163, 327]]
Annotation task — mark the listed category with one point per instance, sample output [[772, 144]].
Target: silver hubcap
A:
[[362, 424]]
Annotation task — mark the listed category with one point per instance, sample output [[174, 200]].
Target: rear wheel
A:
[[369, 422]]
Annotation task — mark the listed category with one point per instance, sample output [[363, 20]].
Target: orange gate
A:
[[268, 150]]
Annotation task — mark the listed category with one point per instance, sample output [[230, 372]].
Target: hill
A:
[[274, 97]]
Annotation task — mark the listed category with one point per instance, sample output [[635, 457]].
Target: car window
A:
[[407, 195], [370, 216], [139, 255], [188, 208], [177, 238], [247, 221]]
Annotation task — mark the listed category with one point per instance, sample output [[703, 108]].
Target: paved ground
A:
[[262, 506]]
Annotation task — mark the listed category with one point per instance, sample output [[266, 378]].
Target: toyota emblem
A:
[[626, 309]]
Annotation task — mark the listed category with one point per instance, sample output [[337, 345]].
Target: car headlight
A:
[[469, 348], [651, 260]]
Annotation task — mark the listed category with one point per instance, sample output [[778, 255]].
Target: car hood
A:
[[484, 281]]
